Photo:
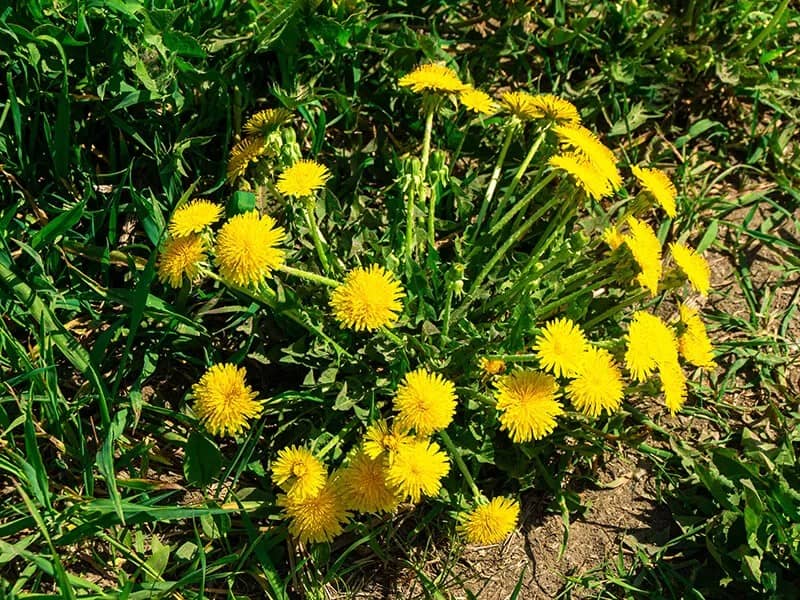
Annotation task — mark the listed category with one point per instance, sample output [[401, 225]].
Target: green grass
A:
[[113, 112]]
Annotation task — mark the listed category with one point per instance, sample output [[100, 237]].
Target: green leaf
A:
[[203, 460], [183, 44], [241, 202]]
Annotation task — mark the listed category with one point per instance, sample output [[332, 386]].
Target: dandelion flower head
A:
[[585, 174], [597, 385], [555, 109], [560, 347], [651, 343], [477, 101], [382, 441], [492, 366], [181, 257], [586, 144], [659, 186], [242, 154], [317, 518], [302, 178], [298, 472], [694, 267], [432, 78], [527, 404], [266, 121], [224, 402], [365, 487], [368, 299], [194, 217], [490, 523], [613, 238], [417, 469], [425, 402], [693, 343], [646, 250], [247, 249], [673, 383]]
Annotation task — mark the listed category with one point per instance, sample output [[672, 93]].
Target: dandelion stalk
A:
[[498, 169], [309, 276], [316, 234], [521, 171], [410, 207], [545, 311], [522, 204], [430, 108], [451, 448]]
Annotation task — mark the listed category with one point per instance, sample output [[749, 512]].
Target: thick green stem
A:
[[426, 153], [522, 204], [773, 23], [448, 305], [498, 169], [513, 357], [316, 234], [451, 448], [544, 311], [614, 310], [410, 219], [309, 275], [520, 172]]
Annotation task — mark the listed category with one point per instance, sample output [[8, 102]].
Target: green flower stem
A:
[[773, 23], [513, 357], [522, 204], [545, 311], [501, 252], [309, 275], [316, 234], [410, 207], [521, 171], [430, 109], [451, 448], [448, 306], [641, 295], [498, 169]]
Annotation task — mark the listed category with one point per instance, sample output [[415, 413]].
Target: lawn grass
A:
[[113, 113]]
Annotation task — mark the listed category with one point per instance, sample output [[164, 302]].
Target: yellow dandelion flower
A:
[[646, 250], [658, 184], [266, 121], [586, 144], [673, 382], [223, 401], [247, 249], [694, 267], [693, 343], [477, 101], [298, 472], [317, 518], [365, 487], [613, 237], [555, 109], [432, 78], [381, 441], [490, 523], [417, 469], [527, 404], [368, 299], [181, 257], [597, 385], [242, 154], [492, 366], [302, 178], [584, 173], [425, 402], [650, 343], [194, 217], [560, 347]]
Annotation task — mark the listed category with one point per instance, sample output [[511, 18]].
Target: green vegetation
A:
[[114, 113]]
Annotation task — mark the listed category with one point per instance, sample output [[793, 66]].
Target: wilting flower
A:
[[266, 121], [560, 347], [585, 174], [527, 403], [298, 472], [242, 154], [317, 518], [425, 402], [694, 267], [585, 143], [302, 178], [247, 249], [381, 441], [597, 385], [365, 487], [194, 217], [432, 78], [650, 343], [490, 523], [223, 401], [658, 184], [417, 469], [646, 250], [181, 257], [477, 101], [368, 299], [693, 343]]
